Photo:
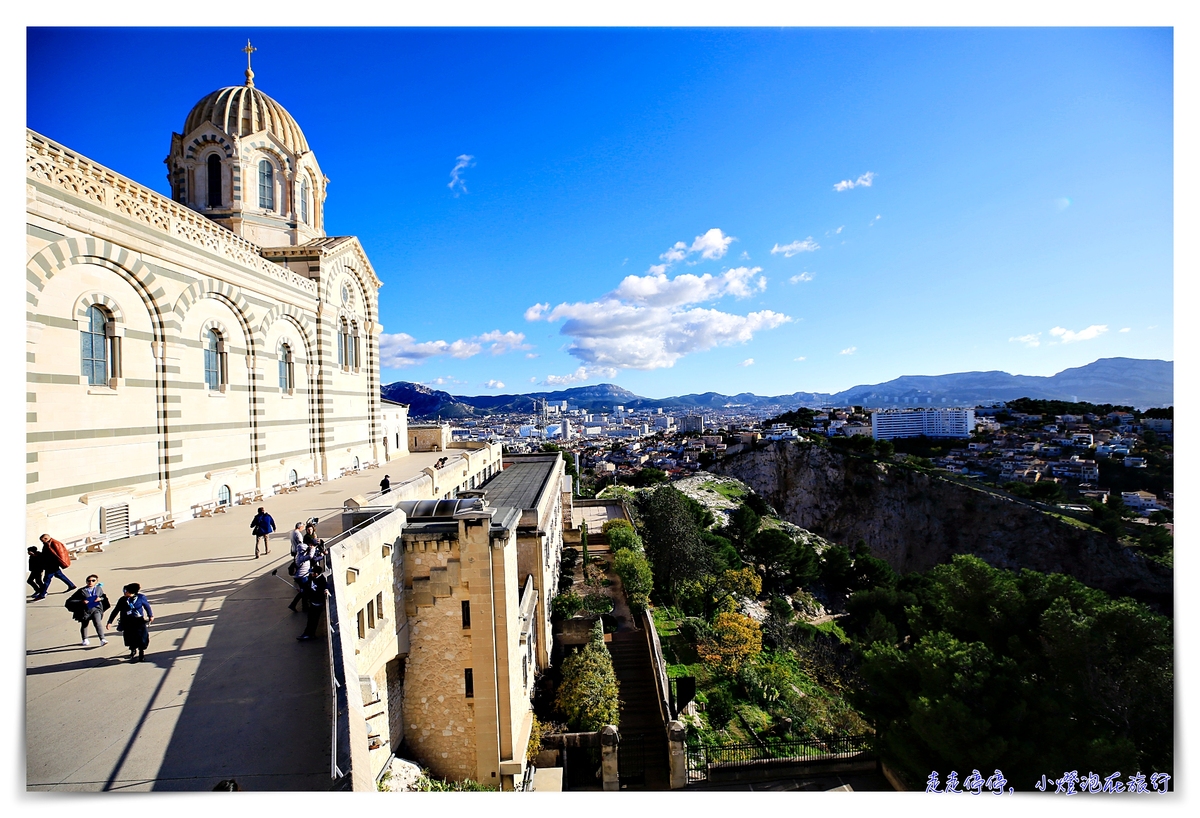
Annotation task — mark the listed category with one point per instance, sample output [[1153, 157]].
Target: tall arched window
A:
[[215, 371], [343, 344], [304, 200], [224, 496], [94, 347], [287, 381], [266, 185], [214, 181], [354, 364]]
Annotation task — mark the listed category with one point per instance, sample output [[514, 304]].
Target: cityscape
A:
[[463, 483]]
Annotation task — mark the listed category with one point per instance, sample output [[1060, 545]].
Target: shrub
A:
[[613, 525], [588, 693], [566, 605], [535, 740], [624, 539], [597, 603], [719, 708], [634, 571]]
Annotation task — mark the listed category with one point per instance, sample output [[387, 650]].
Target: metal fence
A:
[[702, 758]]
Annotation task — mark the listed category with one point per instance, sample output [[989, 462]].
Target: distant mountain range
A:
[[1122, 381]]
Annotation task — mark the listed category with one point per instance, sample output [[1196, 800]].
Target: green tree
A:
[[609, 525], [588, 695], [837, 571], [744, 522], [786, 563], [724, 556], [884, 449], [583, 545], [672, 540]]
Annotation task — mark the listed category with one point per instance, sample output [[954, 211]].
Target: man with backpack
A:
[[55, 557], [262, 525]]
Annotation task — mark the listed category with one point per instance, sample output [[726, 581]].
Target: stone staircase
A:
[[644, 761]]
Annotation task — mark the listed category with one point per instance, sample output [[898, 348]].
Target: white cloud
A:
[[1031, 340], [656, 290], [444, 381], [457, 183], [646, 323], [839, 230], [747, 362], [494, 384], [500, 342], [801, 358], [872, 222], [532, 355], [583, 373], [799, 277], [534, 313], [399, 350], [1069, 337], [1124, 329], [848, 351], [533, 379], [711, 245], [862, 181], [789, 250]]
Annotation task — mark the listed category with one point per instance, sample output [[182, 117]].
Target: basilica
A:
[[186, 352]]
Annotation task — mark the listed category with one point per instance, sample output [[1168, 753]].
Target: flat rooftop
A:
[[520, 484]]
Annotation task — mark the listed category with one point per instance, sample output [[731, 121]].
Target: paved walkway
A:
[[225, 691]]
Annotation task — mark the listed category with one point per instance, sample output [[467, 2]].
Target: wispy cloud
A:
[[710, 246], [862, 181], [494, 384], [400, 350], [1031, 340], [801, 358], [531, 355], [872, 222], [789, 250], [445, 380], [651, 321], [848, 351], [799, 277], [457, 183], [747, 362], [583, 373], [1067, 336], [1124, 329]]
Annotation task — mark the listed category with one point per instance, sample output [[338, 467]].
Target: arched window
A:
[[94, 348], [356, 465], [215, 368], [214, 181], [304, 200], [343, 344], [287, 382], [354, 360], [293, 478], [224, 496], [266, 185]]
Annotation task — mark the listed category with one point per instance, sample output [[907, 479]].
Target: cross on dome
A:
[[249, 49]]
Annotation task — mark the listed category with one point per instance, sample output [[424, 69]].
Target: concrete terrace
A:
[[225, 691]]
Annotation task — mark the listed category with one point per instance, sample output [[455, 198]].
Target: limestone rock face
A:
[[915, 521]]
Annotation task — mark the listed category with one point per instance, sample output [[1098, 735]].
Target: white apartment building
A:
[[889, 425]]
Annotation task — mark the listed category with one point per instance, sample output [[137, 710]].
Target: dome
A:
[[241, 110]]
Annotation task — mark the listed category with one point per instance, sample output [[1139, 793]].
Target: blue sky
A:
[[684, 210]]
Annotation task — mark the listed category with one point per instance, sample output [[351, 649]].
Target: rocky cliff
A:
[[916, 520]]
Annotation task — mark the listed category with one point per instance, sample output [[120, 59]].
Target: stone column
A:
[[608, 758], [675, 738]]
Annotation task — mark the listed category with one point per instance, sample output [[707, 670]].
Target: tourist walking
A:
[[262, 525], [135, 612], [88, 605], [35, 570], [55, 557], [314, 595], [385, 485]]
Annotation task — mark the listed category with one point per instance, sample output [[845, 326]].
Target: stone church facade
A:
[[183, 350]]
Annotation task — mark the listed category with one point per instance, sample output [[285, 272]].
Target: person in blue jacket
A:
[[262, 525]]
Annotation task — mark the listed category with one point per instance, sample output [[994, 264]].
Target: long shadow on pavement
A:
[[258, 710]]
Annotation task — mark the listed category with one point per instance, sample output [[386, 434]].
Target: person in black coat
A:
[[314, 595], [136, 614], [36, 569]]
